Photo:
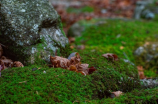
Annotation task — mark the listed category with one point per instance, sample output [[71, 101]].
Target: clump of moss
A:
[[137, 96], [62, 86], [111, 76], [80, 10], [121, 37]]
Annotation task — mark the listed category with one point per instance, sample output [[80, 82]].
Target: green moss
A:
[[80, 10], [121, 37], [61, 26], [62, 86], [63, 51], [141, 96]]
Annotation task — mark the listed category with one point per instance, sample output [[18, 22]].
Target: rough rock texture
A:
[[29, 29], [149, 51], [148, 54], [144, 10]]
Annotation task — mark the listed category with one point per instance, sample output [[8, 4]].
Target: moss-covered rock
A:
[[63, 86], [30, 29]]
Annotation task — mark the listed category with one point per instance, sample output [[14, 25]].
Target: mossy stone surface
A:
[[25, 24]]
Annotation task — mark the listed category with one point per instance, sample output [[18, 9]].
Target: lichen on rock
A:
[[26, 24]]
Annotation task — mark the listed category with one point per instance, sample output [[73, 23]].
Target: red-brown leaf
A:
[[110, 56], [91, 70], [141, 72]]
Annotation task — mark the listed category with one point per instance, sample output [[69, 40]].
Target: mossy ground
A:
[[80, 10], [63, 86], [121, 37]]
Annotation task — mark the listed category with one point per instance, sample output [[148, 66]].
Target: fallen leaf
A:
[[83, 67], [91, 70], [72, 68], [110, 56], [18, 64], [58, 61], [116, 94], [6, 62], [141, 72], [75, 59], [72, 63]]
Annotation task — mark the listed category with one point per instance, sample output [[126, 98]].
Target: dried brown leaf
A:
[[110, 56], [141, 72], [91, 70], [58, 61], [83, 67], [116, 94], [72, 68], [75, 59], [6, 62], [18, 64]]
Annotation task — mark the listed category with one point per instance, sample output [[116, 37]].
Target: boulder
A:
[[145, 9], [30, 30]]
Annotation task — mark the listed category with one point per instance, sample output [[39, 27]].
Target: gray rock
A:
[[142, 10], [147, 14], [139, 51], [149, 83], [30, 29], [148, 51], [76, 30], [140, 5]]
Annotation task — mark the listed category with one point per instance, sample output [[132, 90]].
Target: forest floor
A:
[[39, 83]]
